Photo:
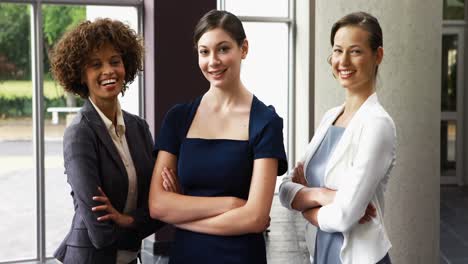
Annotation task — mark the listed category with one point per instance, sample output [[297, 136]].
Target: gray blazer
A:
[[91, 160]]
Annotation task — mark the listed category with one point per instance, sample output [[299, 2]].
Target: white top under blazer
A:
[[358, 170]]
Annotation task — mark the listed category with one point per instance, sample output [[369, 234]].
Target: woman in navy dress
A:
[[225, 149]]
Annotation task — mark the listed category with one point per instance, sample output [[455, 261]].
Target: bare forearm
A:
[[253, 217], [311, 216], [176, 208], [235, 222], [307, 198]]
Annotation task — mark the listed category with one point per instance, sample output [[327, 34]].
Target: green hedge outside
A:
[[16, 98], [22, 106]]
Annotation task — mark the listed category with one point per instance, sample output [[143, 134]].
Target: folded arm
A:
[[375, 155], [253, 217], [177, 208], [81, 161], [294, 193]]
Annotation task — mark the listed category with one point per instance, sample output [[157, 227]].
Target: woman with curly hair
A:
[[108, 152]]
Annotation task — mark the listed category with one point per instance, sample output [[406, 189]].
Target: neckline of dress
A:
[[194, 111]]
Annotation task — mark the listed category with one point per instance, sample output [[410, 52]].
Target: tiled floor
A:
[[454, 225], [285, 239]]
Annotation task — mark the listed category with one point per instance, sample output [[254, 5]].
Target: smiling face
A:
[[219, 57], [353, 61], [104, 74]]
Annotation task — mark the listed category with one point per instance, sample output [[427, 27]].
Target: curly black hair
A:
[[69, 56]]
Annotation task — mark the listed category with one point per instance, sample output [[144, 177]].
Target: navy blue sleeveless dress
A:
[[220, 167]]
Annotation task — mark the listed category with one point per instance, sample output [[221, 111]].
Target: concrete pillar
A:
[[409, 88]]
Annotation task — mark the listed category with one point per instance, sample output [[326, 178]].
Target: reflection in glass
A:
[[449, 72], [268, 8], [454, 9], [17, 171], [448, 139]]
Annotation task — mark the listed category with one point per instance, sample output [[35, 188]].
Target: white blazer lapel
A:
[[346, 138], [320, 134]]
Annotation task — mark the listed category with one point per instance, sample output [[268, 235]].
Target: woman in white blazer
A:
[[339, 183]]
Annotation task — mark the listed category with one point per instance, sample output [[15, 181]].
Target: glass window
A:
[[59, 107], [17, 167], [454, 9], [265, 70], [267, 8], [449, 72], [448, 139]]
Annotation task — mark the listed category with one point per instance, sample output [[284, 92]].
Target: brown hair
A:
[[365, 21], [220, 19], [69, 56]]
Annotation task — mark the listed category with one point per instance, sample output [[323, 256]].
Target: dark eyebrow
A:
[[218, 44], [222, 42], [352, 46]]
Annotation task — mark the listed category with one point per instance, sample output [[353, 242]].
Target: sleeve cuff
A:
[[288, 191]]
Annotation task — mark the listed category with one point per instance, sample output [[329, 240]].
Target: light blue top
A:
[[327, 245]]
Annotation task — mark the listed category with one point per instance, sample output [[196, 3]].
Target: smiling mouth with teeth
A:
[[108, 82]]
